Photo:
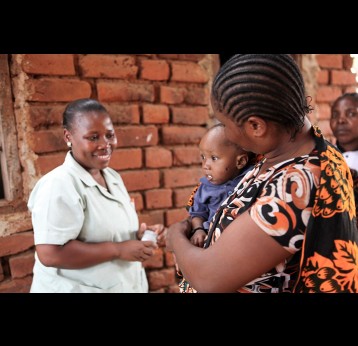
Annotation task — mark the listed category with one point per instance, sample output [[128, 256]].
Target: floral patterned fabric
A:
[[307, 205]]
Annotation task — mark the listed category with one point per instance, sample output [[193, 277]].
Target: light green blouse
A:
[[67, 203]]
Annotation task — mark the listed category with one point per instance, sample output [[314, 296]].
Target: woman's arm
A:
[[242, 253], [76, 254]]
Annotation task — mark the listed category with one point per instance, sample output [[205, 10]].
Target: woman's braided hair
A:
[[270, 86]]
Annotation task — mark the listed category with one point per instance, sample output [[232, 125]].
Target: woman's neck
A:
[[302, 144]]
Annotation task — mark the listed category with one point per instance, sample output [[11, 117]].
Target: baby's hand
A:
[[198, 238]]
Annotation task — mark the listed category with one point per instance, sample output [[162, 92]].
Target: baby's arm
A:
[[198, 233]]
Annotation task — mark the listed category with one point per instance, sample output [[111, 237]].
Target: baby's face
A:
[[219, 159]]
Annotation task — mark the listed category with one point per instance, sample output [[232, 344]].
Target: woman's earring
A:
[[69, 144]]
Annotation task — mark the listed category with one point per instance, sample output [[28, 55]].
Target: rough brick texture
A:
[[108, 66], [16, 243], [155, 114], [56, 90], [16, 286], [141, 180], [159, 198], [123, 114], [190, 115], [158, 157], [46, 116], [186, 156], [47, 163], [48, 141], [182, 134], [330, 60], [49, 64], [152, 217], [126, 159], [188, 72], [21, 265], [181, 177], [124, 91], [136, 136], [175, 215], [156, 70], [181, 196]]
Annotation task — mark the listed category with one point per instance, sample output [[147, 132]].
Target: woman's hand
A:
[[134, 250], [183, 227], [159, 229]]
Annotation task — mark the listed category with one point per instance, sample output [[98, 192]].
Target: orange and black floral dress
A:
[[307, 205]]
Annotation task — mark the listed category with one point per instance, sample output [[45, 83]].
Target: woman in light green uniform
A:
[[85, 226]]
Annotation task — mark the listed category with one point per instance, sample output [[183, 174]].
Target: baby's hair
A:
[[251, 155], [80, 106], [352, 95], [270, 86]]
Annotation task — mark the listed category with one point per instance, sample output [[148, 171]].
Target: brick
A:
[[137, 136], [123, 114], [162, 290], [186, 156], [125, 92], [171, 95], [126, 159], [138, 200], [343, 78], [158, 198], [182, 134], [197, 96], [323, 111], [46, 141], [322, 77], [181, 196], [190, 115], [169, 259], [155, 114], [175, 215], [327, 94], [15, 222], [141, 180], [158, 157], [157, 70], [46, 116], [330, 60], [169, 56], [188, 72], [56, 90], [161, 278], [22, 265], [190, 57], [47, 163], [1, 272], [180, 177], [350, 89], [50, 64], [108, 66], [16, 243], [155, 261], [22, 285], [173, 289], [152, 217], [347, 61]]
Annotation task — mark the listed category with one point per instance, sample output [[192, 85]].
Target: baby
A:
[[224, 165]]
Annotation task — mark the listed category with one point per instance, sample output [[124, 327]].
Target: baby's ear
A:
[[241, 161]]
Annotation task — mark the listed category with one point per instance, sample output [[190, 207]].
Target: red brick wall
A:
[[160, 107]]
